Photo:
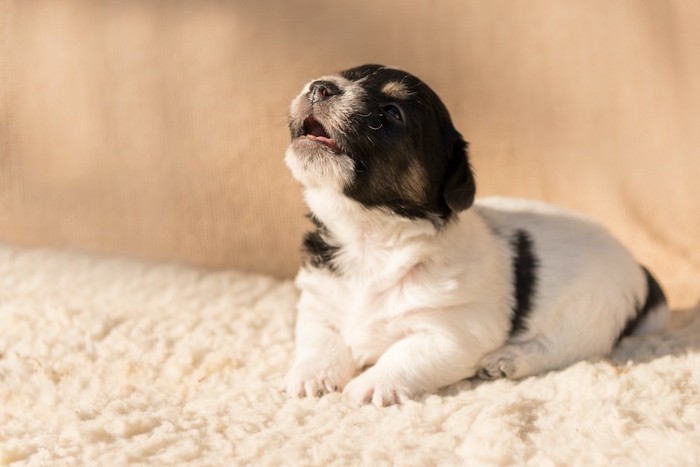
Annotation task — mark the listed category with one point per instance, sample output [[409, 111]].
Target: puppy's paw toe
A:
[[497, 366], [311, 381], [382, 392], [309, 387]]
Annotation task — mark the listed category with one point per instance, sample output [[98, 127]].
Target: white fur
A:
[[318, 172], [428, 308]]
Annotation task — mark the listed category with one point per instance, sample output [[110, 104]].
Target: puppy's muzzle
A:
[[321, 90]]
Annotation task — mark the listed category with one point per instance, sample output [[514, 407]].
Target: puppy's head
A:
[[383, 138]]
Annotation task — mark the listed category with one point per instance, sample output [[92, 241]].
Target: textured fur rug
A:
[[114, 362]]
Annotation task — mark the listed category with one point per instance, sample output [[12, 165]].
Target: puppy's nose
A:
[[321, 90]]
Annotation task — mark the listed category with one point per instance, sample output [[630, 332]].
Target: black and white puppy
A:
[[410, 280]]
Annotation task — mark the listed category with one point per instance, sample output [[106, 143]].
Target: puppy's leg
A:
[[583, 333], [418, 363], [323, 362], [518, 359]]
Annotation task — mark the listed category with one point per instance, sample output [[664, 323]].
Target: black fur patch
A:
[[317, 251], [417, 166], [655, 296], [525, 266]]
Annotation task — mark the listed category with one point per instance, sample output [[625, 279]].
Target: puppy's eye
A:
[[393, 112]]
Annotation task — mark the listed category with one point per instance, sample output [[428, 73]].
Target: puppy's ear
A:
[[460, 186]]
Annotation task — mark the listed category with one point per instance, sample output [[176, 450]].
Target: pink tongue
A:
[[328, 142]]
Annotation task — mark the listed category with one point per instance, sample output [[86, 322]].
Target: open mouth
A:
[[314, 131]]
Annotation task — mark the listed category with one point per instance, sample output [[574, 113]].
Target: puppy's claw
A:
[[308, 380], [485, 374], [311, 388], [495, 369]]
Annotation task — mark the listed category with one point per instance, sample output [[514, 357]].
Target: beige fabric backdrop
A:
[[157, 129]]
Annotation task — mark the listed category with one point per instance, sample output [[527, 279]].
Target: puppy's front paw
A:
[[371, 387], [315, 378]]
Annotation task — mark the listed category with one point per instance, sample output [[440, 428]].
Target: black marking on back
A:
[[525, 266], [318, 252], [655, 296]]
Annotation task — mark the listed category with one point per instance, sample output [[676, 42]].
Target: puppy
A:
[[408, 284]]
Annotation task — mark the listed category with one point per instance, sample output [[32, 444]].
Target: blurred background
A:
[[157, 129]]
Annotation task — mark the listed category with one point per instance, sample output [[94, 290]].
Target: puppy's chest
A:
[[370, 320], [373, 310], [376, 289]]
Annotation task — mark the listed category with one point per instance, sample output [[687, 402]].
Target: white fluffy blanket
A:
[[114, 362]]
